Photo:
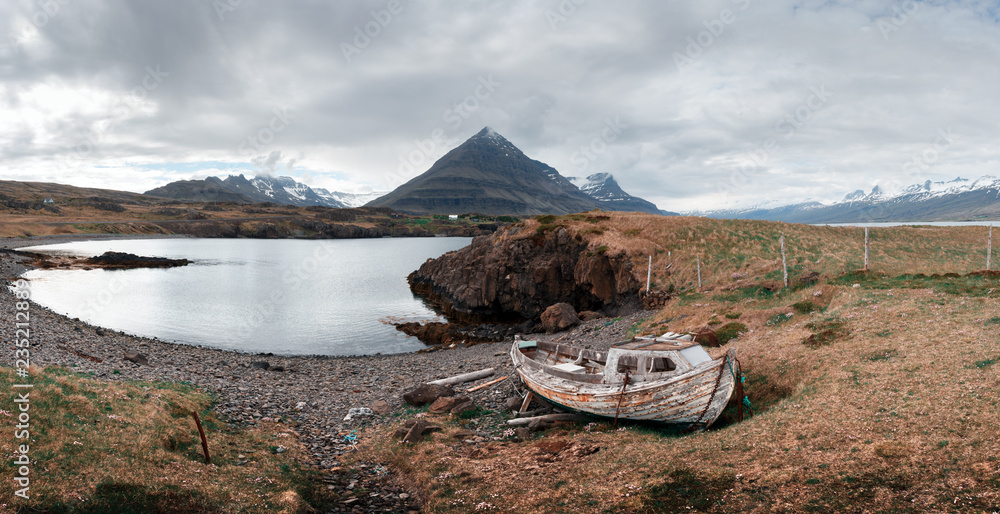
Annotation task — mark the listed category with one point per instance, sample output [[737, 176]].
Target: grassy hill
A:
[[872, 391]]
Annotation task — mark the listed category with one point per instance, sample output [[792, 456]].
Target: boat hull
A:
[[696, 397]]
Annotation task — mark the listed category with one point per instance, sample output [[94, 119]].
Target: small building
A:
[[48, 200], [453, 217]]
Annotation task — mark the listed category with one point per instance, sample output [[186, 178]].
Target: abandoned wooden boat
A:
[[667, 379]]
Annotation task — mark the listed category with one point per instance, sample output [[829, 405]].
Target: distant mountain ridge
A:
[[489, 175], [958, 199], [237, 188], [605, 189]]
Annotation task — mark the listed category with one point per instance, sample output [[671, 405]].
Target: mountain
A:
[[237, 188], [958, 199], [611, 197], [489, 175]]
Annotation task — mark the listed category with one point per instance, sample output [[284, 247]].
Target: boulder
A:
[[446, 403], [380, 407], [590, 315], [463, 406], [559, 317], [137, 358], [522, 432], [514, 403], [264, 365], [417, 431], [427, 393]]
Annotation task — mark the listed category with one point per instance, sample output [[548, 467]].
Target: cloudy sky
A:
[[691, 105]]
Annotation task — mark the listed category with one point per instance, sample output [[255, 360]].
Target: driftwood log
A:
[[545, 419], [463, 378]]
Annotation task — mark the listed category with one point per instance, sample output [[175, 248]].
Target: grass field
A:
[[873, 392], [99, 446]]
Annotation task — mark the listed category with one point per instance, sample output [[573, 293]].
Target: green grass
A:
[[730, 331], [972, 284]]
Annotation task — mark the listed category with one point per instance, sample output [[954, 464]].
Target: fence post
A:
[[784, 262], [867, 247], [649, 274], [698, 261], [989, 248]]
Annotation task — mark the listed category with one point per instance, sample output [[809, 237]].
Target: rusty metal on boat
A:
[[668, 379]]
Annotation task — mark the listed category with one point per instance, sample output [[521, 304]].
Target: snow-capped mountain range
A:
[[282, 190], [958, 199]]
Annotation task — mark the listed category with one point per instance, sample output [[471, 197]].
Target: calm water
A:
[[288, 297], [912, 223]]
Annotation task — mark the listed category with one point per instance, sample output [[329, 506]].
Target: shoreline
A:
[[14, 243], [316, 392]]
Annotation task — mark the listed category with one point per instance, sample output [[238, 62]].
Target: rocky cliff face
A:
[[507, 276]]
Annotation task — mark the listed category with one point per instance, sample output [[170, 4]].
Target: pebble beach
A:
[[313, 393]]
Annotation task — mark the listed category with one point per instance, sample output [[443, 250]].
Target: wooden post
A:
[[204, 440], [784, 262], [649, 273], [698, 261], [867, 247], [989, 248]]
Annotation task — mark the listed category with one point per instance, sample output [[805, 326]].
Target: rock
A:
[[463, 434], [559, 317], [522, 432], [809, 278], [537, 425], [380, 407], [447, 403], [514, 403], [264, 365], [358, 411], [136, 357], [427, 393], [276, 368], [417, 431], [464, 406], [590, 315], [506, 273]]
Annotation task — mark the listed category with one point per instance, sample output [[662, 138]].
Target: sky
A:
[[691, 105]]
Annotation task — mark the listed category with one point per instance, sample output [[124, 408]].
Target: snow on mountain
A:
[[349, 199]]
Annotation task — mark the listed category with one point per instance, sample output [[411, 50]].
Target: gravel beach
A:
[[315, 392]]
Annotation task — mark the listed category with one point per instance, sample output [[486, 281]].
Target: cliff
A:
[[513, 274]]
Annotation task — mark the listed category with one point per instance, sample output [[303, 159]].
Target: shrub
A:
[[730, 331]]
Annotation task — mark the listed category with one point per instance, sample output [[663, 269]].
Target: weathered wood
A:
[[464, 377], [989, 248], [784, 262], [649, 274], [687, 394], [487, 384], [533, 413], [545, 418], [527, 401], [698, 261], [204, 440], [867, 248]]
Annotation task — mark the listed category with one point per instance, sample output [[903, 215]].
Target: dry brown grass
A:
[[896, 414], [99, 446], [750, 249]]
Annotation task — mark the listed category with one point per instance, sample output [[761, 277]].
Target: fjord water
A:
[[285, 296]]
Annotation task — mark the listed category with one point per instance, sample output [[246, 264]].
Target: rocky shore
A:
[[313, 393]]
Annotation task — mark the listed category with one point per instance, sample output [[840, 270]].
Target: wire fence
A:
[[778, 261]]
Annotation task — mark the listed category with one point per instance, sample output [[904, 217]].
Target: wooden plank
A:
[[463, 378], [545, 418], [527, 401], [487, 384]]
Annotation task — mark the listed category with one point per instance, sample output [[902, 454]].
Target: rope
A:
[[741, 379], [718, 380], [620, 398]]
